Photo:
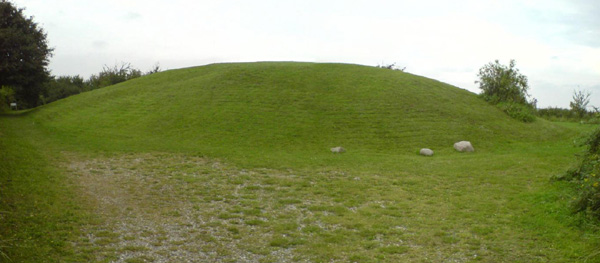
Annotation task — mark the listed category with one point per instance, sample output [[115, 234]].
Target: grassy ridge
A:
[[283, 110]]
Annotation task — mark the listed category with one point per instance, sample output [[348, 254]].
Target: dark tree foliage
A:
[[63, 86], [24, 54]]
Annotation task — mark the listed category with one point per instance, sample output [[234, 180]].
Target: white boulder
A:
[[464, 146], [338, 149], [426, 152]]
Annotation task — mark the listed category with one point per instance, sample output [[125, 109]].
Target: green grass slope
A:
[[288, 111], [231, 162]]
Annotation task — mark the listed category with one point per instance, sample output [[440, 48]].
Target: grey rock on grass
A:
[[426, 152], [464, 146], [338, 149]]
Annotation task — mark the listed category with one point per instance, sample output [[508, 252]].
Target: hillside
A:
[[283, 109], [231, 163]]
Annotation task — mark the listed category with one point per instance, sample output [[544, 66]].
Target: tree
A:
[[580, 102], [24, 54], [507, 88], [500, 83]]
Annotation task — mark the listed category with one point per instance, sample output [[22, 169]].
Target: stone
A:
[[464, 146], [426, 152], [338, 149]]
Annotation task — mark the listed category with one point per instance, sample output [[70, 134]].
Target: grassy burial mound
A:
[[289, 111], [231, 163]]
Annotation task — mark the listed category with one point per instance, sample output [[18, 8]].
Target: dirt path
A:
[[168, 208], [162, 207]]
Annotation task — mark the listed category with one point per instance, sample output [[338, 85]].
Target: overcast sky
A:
[[556, 44]]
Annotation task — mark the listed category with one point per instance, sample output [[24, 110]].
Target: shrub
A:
[[561, 114], [556, 114], [586, 178], [111, 76], [499, 83], [524, 113], [505, 87]]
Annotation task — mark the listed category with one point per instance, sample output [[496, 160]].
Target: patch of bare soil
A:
[[170, 208]]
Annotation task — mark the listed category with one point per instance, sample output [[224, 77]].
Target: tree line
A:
[[505, 87], [64, 86], [59, 87]]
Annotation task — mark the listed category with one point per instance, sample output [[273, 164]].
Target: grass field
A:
[[231, 163]]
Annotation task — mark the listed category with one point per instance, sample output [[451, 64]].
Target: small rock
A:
[[426, 152], [464, 146], [338, 149]]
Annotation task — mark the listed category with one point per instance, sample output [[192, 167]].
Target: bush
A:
[[505, 87], [520, 112], [111, 76], [500, 83], [556, 114], [561, 114], [586, 178]]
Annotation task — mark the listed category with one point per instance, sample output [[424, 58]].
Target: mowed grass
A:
[[231, 162], [283, 114]]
